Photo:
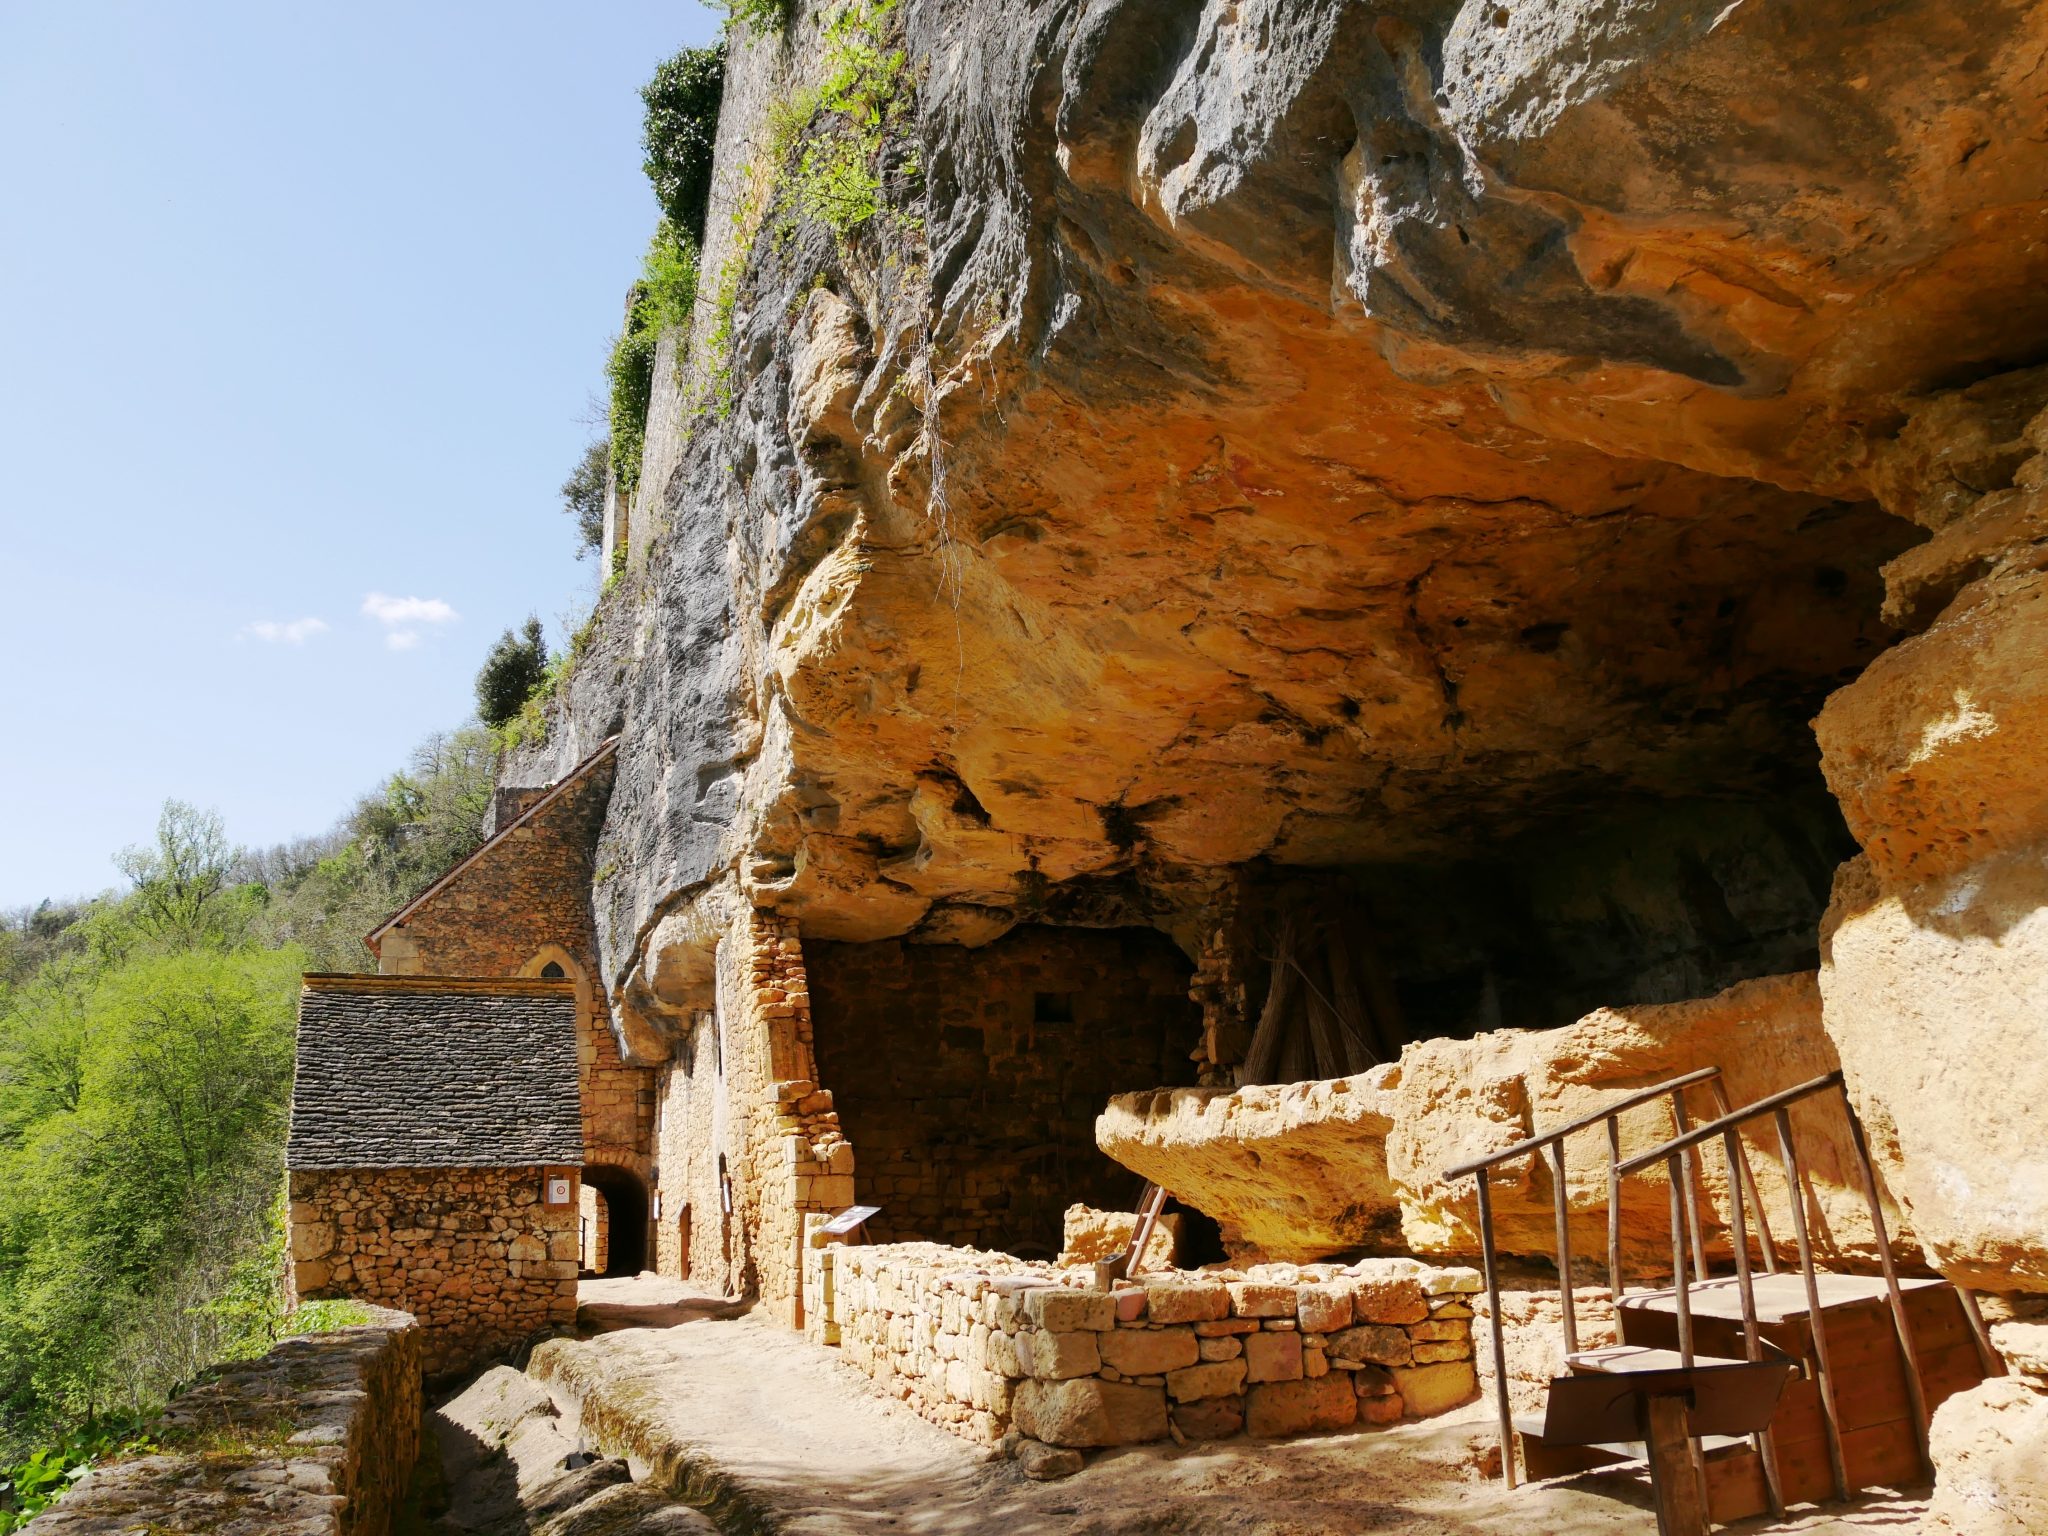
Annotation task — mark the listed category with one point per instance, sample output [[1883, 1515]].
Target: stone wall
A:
[[317, 1438], [982, 1343], [970, 1078], [748, 1142], [474, 1253], [593, 1230], [521, 903]]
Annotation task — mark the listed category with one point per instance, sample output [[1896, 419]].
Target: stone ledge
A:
[[316, 1438]]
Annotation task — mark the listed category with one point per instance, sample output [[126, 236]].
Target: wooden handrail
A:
[[1584, 1122], [1713, 1128], [1554, 1139]]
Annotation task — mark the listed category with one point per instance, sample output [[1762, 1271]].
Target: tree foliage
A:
[[680, 132], [511, 673], [583, 496], [145, 1071]]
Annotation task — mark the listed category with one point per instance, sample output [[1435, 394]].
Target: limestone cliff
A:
[[1274, 440]]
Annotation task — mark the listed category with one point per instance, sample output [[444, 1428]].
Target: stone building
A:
[[520, 906], [435, 1154]]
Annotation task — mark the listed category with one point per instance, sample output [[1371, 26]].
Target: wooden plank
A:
[[1781, 1298], [1736, 1489]]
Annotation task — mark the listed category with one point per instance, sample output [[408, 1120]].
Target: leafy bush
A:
[[766, 17], [511, 674], [583, 496], [680, 132], [661, 300], [325, 892], [34, 1483], [145, 1065], [864, 97]]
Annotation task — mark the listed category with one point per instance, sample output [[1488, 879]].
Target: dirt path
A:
[[775, 1434]]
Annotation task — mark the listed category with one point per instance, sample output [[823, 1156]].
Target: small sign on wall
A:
[[560, 1190], [657, 1205], [849, 1219]]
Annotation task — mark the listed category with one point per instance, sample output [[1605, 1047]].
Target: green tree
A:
[[511, 673], [113, 1182], [183, 885], [583, 496], [680, 132]]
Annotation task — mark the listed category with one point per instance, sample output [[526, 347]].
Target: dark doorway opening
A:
[[625, 1199]]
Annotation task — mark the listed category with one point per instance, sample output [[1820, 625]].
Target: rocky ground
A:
[[771, 1433]]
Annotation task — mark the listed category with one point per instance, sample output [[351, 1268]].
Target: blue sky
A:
[[303, 309]]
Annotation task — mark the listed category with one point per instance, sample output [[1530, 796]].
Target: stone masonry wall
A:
[[473, 1253], [982, 1342], [692, 1236], [744, 1091], [518, 904], [970, 1079], [328, 1428]]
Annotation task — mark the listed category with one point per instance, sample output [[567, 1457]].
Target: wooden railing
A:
[[1552, 1142]]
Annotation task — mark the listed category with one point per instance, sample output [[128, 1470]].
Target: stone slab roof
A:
[[435, 1072]]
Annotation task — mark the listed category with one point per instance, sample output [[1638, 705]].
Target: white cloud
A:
[[395, 612], [402, 639], [292, 632]]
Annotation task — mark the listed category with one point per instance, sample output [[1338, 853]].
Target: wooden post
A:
[[1674, 1170], [1500, 1353], [1916, 1389], [1992, 1361], [1614, 1285], [1692, 1202], [1680, 1498], [1797, 1180], [1752, 1343], [1756, 1199], [1564, 1248]]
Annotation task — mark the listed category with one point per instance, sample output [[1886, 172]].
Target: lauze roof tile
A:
[[431, 1072]]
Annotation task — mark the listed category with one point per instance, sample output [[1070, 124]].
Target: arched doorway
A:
[[625, 1217]]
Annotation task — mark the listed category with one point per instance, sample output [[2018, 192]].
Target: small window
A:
[[553, 970], [1052, 1008]]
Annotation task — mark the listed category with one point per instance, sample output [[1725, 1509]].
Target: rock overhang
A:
[[1345, 440]]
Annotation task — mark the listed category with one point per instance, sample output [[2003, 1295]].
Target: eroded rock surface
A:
[[1935, 963], [1299, 433], [1317, 1168], [1990, 1450], [1294, 1172]]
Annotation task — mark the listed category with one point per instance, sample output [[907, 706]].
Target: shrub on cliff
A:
[[511, 674], [661, 300], [680, 132]]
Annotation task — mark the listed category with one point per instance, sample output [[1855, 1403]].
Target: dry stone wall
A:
[[316, 1438], [474, 1253], [982, 1343], [970, 1079]]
